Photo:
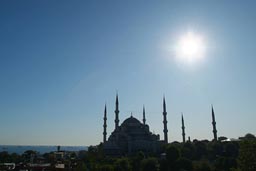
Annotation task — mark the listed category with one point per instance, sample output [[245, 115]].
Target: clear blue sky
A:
[[60, 61]]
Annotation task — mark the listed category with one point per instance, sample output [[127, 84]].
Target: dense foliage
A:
[[190, 156]]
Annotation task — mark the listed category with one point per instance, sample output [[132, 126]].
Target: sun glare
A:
[[190, 47]]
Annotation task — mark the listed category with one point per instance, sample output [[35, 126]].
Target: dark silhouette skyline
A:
[[165, 122], [105, 124], [165, 125], [183, 129], [214, 126]]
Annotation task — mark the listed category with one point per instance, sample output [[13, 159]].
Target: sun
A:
[[190, 47]]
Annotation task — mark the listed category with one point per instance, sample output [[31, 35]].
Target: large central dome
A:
[[131, 121]]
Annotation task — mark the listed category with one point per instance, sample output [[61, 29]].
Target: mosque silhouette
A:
[[133, 136]]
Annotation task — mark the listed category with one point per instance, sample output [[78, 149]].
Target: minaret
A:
[[144, 117], [165, 122], [105, 125], [117, 113], [183, 129], [214, 125]]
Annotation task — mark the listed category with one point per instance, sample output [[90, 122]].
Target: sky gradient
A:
[[61, 61]]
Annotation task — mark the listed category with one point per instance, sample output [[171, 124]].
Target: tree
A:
[[82, 154], [94, 153], [163, 165], [81, 166], [172, 153], [29, 155], [188, 151], [225, 163], [214, 149], [15, 158], [249, 137], [149, 164], [4, 157], [201, 150], [185, 164], [106, 168], [247, 156], [231, 149], [136, 160], [122, 165], [172, 156], [202, 166]]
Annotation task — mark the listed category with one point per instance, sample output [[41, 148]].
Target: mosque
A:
[[133, 136]]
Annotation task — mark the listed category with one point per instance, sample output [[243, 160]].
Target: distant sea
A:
[[41, 149]]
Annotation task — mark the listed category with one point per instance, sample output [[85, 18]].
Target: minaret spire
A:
[[144, 117], [117, 113], [214, 126], [183, 129], [105, 125], [165, 122]]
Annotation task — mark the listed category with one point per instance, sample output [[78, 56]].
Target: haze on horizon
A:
[[61, 61]]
